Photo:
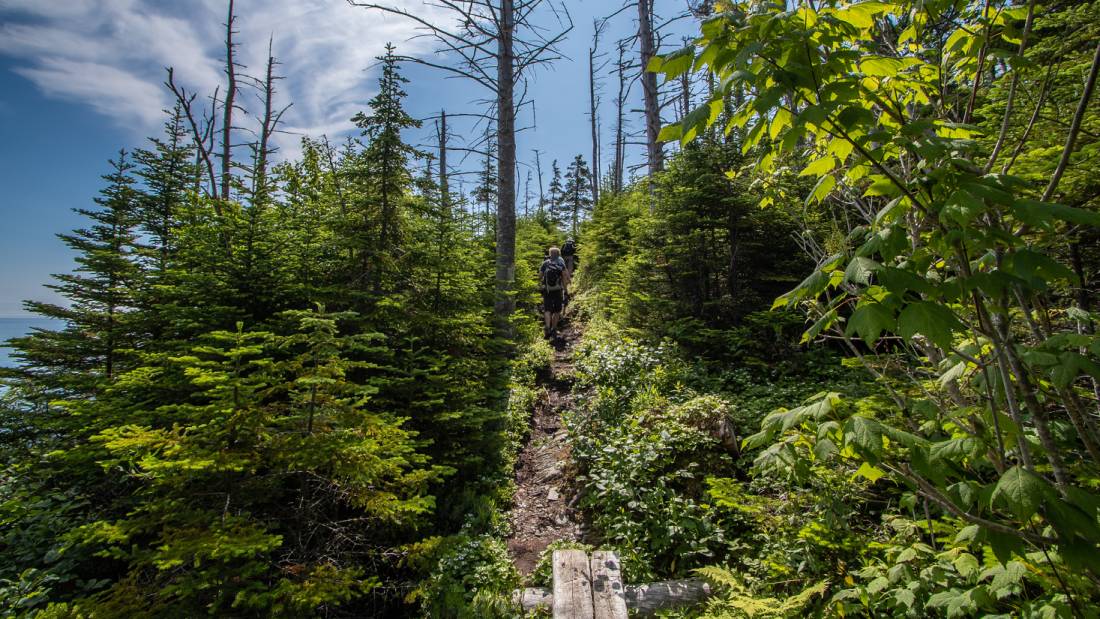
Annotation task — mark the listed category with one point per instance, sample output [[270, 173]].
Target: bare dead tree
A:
[[444, 203], [230, 103], [444, 183], [542, 191], [202, 132], [621, 68], [527, 195], [269, 126], [594, 55], [489, 53], [685, 90], [655, 156]]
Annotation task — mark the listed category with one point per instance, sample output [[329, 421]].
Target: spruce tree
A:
[[557, 194], [387, 157], [90, 348], [577, 198], [168, 173]]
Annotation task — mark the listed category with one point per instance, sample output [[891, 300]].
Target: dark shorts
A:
[[553, 301]]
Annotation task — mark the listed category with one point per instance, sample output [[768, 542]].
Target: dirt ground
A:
[[543, 512]]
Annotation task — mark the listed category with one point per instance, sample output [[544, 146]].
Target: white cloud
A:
[[111, 54], [112, 92]]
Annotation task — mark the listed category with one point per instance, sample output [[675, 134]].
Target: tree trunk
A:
[[444, 209], [267, 129], [654, 152], [685, 94], [542, 190], [230, 102], [620, 146], [444, 184], [506, 174], [595, 121]]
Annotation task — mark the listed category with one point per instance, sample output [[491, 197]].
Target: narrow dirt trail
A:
[[542, 511]]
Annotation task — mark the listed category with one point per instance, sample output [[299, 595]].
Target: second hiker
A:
[[569, 257], [553, 278]]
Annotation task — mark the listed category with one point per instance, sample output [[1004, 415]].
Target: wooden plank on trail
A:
[[531, 599], [646, 600], [608, 594], [572, 585]]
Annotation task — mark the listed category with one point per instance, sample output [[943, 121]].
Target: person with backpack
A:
[[569, 255], [553, 279]]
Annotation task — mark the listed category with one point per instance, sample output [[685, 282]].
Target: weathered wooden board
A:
[[572, 585], [648, 599], [533, 598], [608, 594], [645, 600], [592, 588]]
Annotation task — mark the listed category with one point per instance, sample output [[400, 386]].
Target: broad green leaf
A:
[[1005, 576], [1080, 554], [1021, 491], [962, 207], [882, 186], [866, 435], [879, 66], [861, 15], [670, 133], [860, 270], [968, 533], [1037, 213], [780, 121], [966, 565], [932, 320], [820, 166], [676, 64], [869, 472], [1070, 366], [869, 321], [1037, 269], [825, 450], [821, 190], [820, 325], [956, 449]]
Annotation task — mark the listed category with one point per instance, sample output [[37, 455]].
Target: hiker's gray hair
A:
[[555, 252]]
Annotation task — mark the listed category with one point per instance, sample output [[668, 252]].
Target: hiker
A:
[[569, 255], [553, 278]]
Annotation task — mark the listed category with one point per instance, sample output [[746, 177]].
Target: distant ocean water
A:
[[18, 327]]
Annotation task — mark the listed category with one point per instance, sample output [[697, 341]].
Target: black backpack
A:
[[551, 276], [569, 249]]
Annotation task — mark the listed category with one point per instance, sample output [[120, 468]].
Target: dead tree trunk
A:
[[268, 126], [444, 208], [542, 190], [654, 153], [505, 303], [593, 111], [444, 184], [230, 102], [620, 139], [685, 94]]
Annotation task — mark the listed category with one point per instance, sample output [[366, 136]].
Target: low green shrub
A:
[[473, 578]]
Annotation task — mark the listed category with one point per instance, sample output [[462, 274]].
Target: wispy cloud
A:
[[111, 54]]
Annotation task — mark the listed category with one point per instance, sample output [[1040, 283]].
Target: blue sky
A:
[[80, 79]]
